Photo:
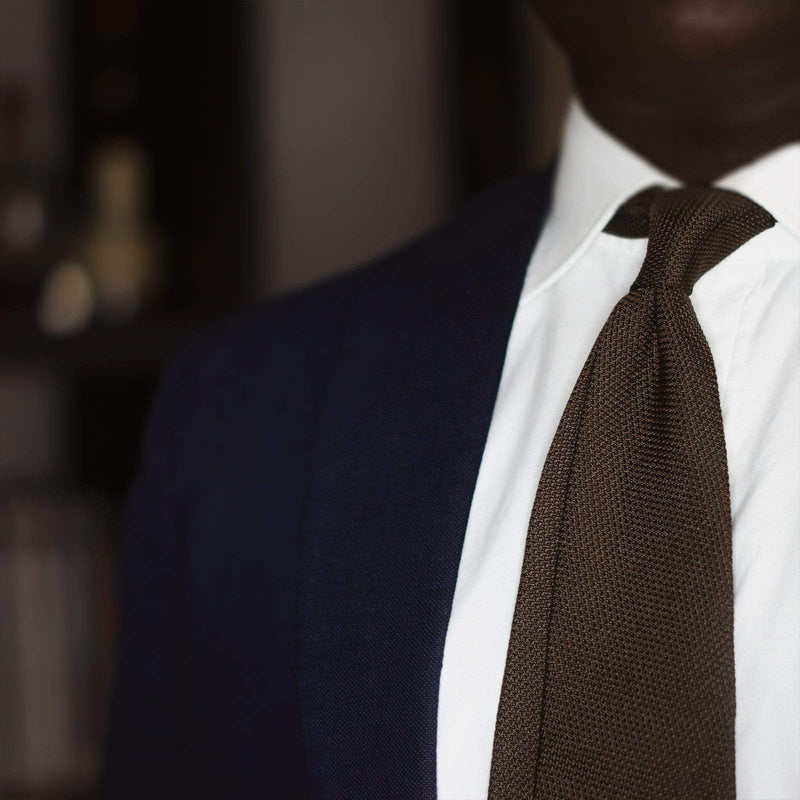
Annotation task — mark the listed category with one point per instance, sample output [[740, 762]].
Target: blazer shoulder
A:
[[299, 330], [310, 310]]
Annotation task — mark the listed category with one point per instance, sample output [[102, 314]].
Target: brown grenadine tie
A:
[[619, 678]]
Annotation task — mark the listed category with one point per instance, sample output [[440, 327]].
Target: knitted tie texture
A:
[[619, 677]]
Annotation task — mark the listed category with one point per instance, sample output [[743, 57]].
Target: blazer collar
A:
[[398, 444]]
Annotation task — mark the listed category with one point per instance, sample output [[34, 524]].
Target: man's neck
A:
[[699, 132]]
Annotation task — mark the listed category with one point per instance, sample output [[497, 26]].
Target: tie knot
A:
[[689, 231]]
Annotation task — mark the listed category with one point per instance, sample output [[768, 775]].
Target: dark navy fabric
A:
[[294, 533]]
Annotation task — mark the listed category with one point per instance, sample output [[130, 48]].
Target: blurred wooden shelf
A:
[[140, 347]]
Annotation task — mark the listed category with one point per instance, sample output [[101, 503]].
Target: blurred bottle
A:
[[121, 249], [116, 269]]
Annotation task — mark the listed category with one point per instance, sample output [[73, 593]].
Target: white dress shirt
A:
[[749, 309]]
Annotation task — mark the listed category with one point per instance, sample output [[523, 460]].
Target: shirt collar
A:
[[772, 181], [596, 173]]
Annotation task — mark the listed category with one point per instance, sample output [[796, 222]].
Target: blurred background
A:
[[161, 166]]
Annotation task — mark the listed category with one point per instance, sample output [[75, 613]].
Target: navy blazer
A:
[[295, 529]]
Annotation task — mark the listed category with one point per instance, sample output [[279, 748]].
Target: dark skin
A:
[[698, 87]]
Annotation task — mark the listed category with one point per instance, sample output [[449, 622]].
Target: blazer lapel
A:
[[400, 437]]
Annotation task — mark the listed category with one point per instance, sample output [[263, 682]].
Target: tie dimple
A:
[[689, 230]]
